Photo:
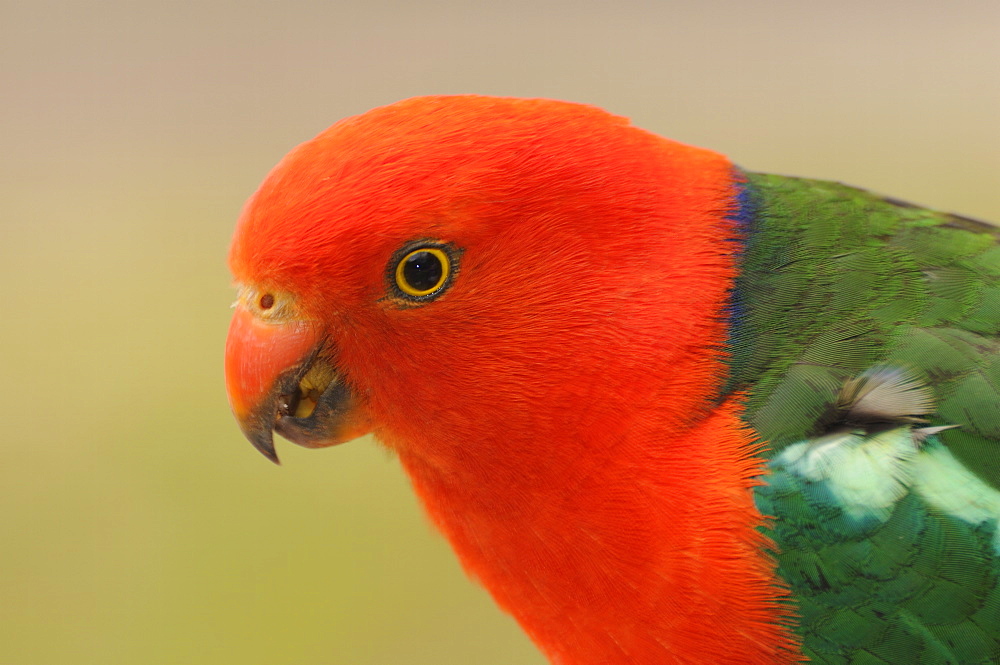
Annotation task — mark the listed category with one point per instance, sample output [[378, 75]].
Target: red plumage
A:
[[550, 407]]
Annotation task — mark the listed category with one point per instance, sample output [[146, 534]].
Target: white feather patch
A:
[[866, 475], [947, 485]]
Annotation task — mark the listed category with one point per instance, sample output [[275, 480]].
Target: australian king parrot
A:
[[664, 409]]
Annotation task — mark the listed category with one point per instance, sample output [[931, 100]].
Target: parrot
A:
[[663, 408]]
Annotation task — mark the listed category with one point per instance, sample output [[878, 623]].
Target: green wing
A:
[[886, 526]]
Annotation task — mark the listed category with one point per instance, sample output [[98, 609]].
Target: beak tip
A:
[[263, 441]]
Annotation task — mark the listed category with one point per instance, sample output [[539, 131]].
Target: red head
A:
[[522, 298], [575, 241]]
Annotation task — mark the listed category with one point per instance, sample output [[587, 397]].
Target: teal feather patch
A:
[[911, 576]]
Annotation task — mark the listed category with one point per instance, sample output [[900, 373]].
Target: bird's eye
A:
[[422, 271], [266, 301]]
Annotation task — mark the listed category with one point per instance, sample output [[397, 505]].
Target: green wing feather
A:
[[836, 281]]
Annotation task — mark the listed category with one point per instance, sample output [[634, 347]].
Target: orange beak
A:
[[279, 378]]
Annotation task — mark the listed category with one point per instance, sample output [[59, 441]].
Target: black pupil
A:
[[422, 271]]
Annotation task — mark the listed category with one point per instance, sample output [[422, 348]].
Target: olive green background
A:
[[136, 526]]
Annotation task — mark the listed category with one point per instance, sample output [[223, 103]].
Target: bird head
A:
[[456, 273]]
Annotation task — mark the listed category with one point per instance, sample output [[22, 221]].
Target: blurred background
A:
[[136, 525]]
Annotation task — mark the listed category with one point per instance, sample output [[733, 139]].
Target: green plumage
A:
[[836, 281]]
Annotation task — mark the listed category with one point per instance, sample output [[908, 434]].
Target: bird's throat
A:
[[649, 555]]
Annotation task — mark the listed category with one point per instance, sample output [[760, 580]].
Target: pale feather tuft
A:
[[867, 475], [948, 485], [886, 394]]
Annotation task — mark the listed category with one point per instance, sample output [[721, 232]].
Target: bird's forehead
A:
[[422, 168], [340, 219]]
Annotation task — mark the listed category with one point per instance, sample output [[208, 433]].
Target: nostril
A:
[[288, 404]]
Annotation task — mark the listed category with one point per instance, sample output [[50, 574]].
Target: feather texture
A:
[[864, 319], [665, 410]]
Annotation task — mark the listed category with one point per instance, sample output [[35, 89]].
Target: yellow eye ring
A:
[[423, 272]]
